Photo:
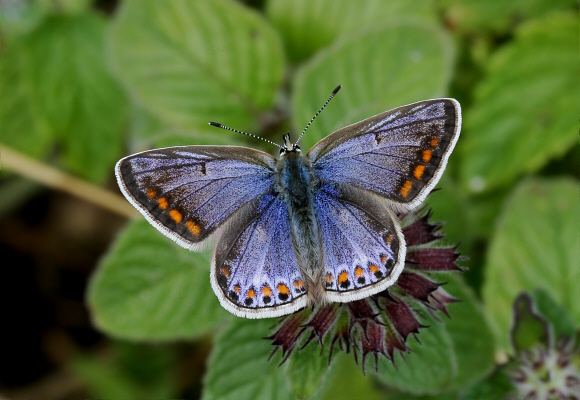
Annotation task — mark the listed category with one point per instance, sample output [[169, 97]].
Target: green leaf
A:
[[458, 208], [497, 15], [454, 352], [238, 367], [536, 246], [102, 381], [379, 70], [57, 89], [407, 396], [129, 371], [555, 313], [147, 132], [63, 7], [21, 105], [347, 381], [428, 369], [193, 62], [524, 111], [18, 17], [496, 386], [454, 206], [307, 370], [309, 25], [173, 137], [529, 328], [148, 288], [471, 337]]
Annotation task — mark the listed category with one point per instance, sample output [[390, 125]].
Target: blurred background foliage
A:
[[83, 83]]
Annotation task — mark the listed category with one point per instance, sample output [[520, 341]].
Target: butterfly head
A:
[[289, 146]]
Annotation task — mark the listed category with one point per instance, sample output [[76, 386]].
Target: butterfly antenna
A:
[[335, 91], [218, 125]]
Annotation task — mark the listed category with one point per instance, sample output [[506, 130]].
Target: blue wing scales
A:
[[177, 188], [254, 270], [363, 245], [399, 154]]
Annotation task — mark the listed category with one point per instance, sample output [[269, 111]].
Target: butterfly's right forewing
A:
[[399, 154]]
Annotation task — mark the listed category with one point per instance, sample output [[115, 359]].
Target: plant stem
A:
[[56, 179]]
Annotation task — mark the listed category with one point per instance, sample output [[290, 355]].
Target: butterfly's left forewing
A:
[[254, 270], [188, 192]]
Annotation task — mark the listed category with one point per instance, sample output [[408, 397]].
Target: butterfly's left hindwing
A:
[[177, 188], [254, 271], [399, 154]]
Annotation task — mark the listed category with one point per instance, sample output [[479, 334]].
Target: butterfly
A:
[[300, 230]]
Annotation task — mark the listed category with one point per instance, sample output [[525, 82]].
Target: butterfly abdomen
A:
[[296, 185]]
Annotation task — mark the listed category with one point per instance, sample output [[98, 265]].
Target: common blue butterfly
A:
[[298, 230]]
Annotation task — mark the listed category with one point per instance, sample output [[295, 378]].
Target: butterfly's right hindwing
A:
[[188, 192], [363, 245]]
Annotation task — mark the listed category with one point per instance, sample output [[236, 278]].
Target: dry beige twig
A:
[[56, 179]]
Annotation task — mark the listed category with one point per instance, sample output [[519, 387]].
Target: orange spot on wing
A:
[[251, 294], [298, 283], [342, 277], [373, 268], [151, 193], [266, 291], [283, 289], [383, 259], [237, 289], [175, 215], [419, 170], [406, 189], [225, 271], [194, 228], [328, 278], [162, 203], [358, 271], [434, 141], [427, 154]]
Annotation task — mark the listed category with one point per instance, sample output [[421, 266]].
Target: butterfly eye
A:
[[297, 148], [282, 151]]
